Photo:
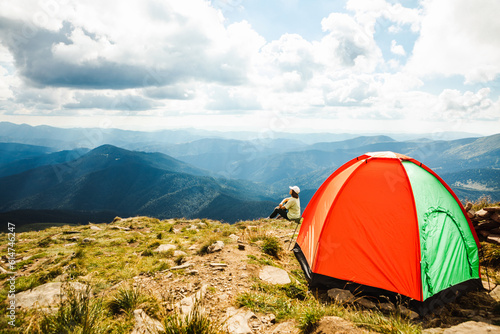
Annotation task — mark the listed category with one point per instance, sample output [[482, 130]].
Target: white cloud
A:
[[95, 45], [368, 11], [348, 44], [397, 49], [459, 37], [469, 105]]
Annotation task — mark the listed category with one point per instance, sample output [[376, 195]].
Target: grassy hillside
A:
[[119, 263]]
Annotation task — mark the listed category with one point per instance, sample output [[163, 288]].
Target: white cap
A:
[[295, 188]]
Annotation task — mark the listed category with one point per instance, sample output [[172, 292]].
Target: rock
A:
[[386, 307], [95, 228], [215, 247], [218, 265], [193, 248], [488, 285], [495, 293], [144, 324], [75, 238], [484, 233], [341, 295], [483, 213], [366, 303], [187, 304], [165, 248], [492, 209], [274, 275], [407, 313], [202, 225], [494, 238], [332, 324], [88, 240], [471, 213], [234, 237], [182, 266], [486, 225], [45, 295], [288, 327], [468, 206], [71, 232], [179, 253], [241, 246], [239, 321], [120, 228], [465, 328], [495, 217], [269, 318], [70, 245]]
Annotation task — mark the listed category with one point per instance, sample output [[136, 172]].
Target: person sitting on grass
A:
[[289, 208]]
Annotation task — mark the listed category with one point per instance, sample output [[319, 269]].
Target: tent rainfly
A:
[[386, 223]]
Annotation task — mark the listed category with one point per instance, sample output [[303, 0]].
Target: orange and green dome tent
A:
[[387, 222]]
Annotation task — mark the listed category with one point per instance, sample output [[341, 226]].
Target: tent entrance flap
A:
[[445, 258]]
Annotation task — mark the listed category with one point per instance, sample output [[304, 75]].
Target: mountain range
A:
[[220, 178]]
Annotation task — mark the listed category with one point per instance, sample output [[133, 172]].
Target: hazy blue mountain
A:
[[351, 143], [131, 183], [71, 138], [15, 151], [22, 165]]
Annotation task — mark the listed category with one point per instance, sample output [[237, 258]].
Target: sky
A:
[[357, 66]]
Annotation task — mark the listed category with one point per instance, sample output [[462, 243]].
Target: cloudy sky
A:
[[280, 65]]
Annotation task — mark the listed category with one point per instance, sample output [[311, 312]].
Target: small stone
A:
[[182, 266], [179, 253], [70, 245], [366, 303], [274, 275], [492, 209], [144, 324], [88, 240], [239, 321], [165, 248], [386, 307], [495, 238], [95, 228], [215, 247], [218, 265], [476, 327], [234, 237], [270, 318], [408, 313], [495, 293], [341, 295], [483, 213]]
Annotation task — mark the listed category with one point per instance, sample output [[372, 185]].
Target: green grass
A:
[[127, 299], [309, 319], [79, 313], [271, 246], [194, 323], [115, 256]]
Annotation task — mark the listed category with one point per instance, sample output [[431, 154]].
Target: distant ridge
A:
[[115, 180]]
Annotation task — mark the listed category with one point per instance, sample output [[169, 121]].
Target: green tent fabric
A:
[[443, 228]]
